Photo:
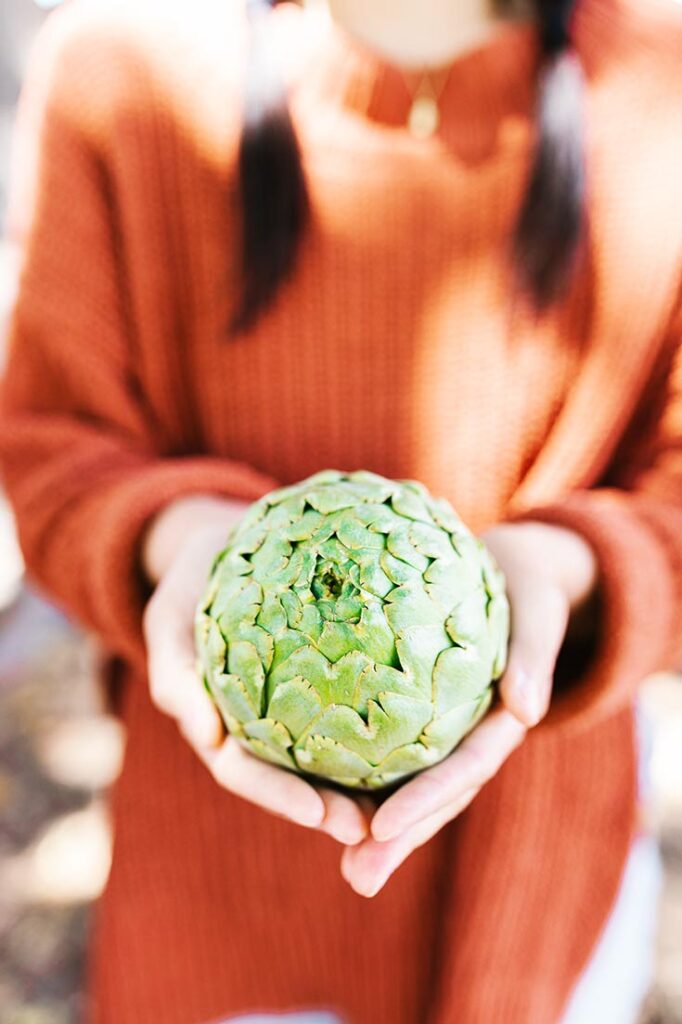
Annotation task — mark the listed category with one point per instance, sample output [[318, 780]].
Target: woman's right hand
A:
[[178, 550]]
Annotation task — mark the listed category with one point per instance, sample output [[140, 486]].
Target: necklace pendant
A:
[[424, 117]]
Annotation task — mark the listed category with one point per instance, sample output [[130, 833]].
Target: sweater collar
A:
[[485, 82], [485, 85]]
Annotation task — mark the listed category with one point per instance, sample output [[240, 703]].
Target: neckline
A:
[[489, 80], [487, 83]]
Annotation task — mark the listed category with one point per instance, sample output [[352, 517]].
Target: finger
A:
[[539, 619], [274, 789], [472, 764], [344, 818], [368, 867], [173, 678]]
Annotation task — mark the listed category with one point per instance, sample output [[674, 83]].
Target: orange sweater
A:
[[392, 348]]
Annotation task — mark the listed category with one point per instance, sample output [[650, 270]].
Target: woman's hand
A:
[[177, 554], [550, 573]]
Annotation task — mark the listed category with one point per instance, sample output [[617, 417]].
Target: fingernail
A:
[[382, 833], [199, 731], [368, 890], [529, 695], [350, 837], [310, 818]]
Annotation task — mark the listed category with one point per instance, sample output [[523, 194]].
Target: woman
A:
[[444, 244]]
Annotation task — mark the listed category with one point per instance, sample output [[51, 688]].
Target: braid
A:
[[550, 223], [272, 188]]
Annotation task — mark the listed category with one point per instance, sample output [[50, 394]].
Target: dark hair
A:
[[549, 227], [274, 201]]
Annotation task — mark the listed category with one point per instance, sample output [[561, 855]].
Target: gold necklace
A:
[[423, 119]]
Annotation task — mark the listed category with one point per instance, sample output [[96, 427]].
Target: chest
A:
[[392, 345]]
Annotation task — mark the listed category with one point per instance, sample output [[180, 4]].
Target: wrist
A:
[[171, 528], [571, 559], [559, 554]]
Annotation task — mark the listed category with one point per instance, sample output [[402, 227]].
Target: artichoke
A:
[[352, 629]]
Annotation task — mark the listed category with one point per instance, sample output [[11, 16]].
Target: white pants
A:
[[617, 978], [616, 981]]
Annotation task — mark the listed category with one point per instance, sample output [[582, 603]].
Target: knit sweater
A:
[[393, 347]]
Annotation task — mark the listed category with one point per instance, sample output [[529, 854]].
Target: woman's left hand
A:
[[550, 572]]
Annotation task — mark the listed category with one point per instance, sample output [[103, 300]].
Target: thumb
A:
[[539, 619]]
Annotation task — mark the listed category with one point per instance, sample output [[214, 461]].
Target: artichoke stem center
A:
[[331, 582]]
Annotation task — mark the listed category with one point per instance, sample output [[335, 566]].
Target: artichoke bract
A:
[[352, 629]]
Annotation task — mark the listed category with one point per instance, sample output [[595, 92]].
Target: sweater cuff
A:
[[636, 601], [119, 588]]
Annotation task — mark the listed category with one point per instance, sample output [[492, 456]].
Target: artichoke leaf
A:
[[410, 504], [308, 662], [331, 498], [232, 698], [418, 648], [381, 483], [243, 661], [211, 645], [372, 636], [410, 606], [460, 675], [209, 594], [444, 515], [445, 732], [393, 720], [378, 518], [399, 544], [272, 735], [357, 537], [271, 615], [412, 757], [323, 476], [345, 677], [247, 544], [282, 494], [253, 515], [295, 704], [239, 601], [272, 557], [498, 624], [286, 643], [448, 583], [304, 528], [399, 572], [261, 640], [372, 579], [322, 755], [310, 623], [467, 623], [376, 679], [293, 607], [432, 542], [267, 752]]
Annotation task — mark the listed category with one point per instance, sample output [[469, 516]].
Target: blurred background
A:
[[59, 750]]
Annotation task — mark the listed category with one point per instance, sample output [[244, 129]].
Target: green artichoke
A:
[[352, 629]]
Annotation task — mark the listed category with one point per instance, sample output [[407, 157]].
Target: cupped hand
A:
[[177, 554], [550, 572]]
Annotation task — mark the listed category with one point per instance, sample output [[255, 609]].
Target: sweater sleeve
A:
[[82, 462], [634, 525]]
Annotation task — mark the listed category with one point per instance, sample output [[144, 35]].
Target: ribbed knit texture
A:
[[394, 347]]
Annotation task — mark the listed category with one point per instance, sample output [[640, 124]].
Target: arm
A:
[[82, 460], [621, 542], [633, 523], [105, 519]]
